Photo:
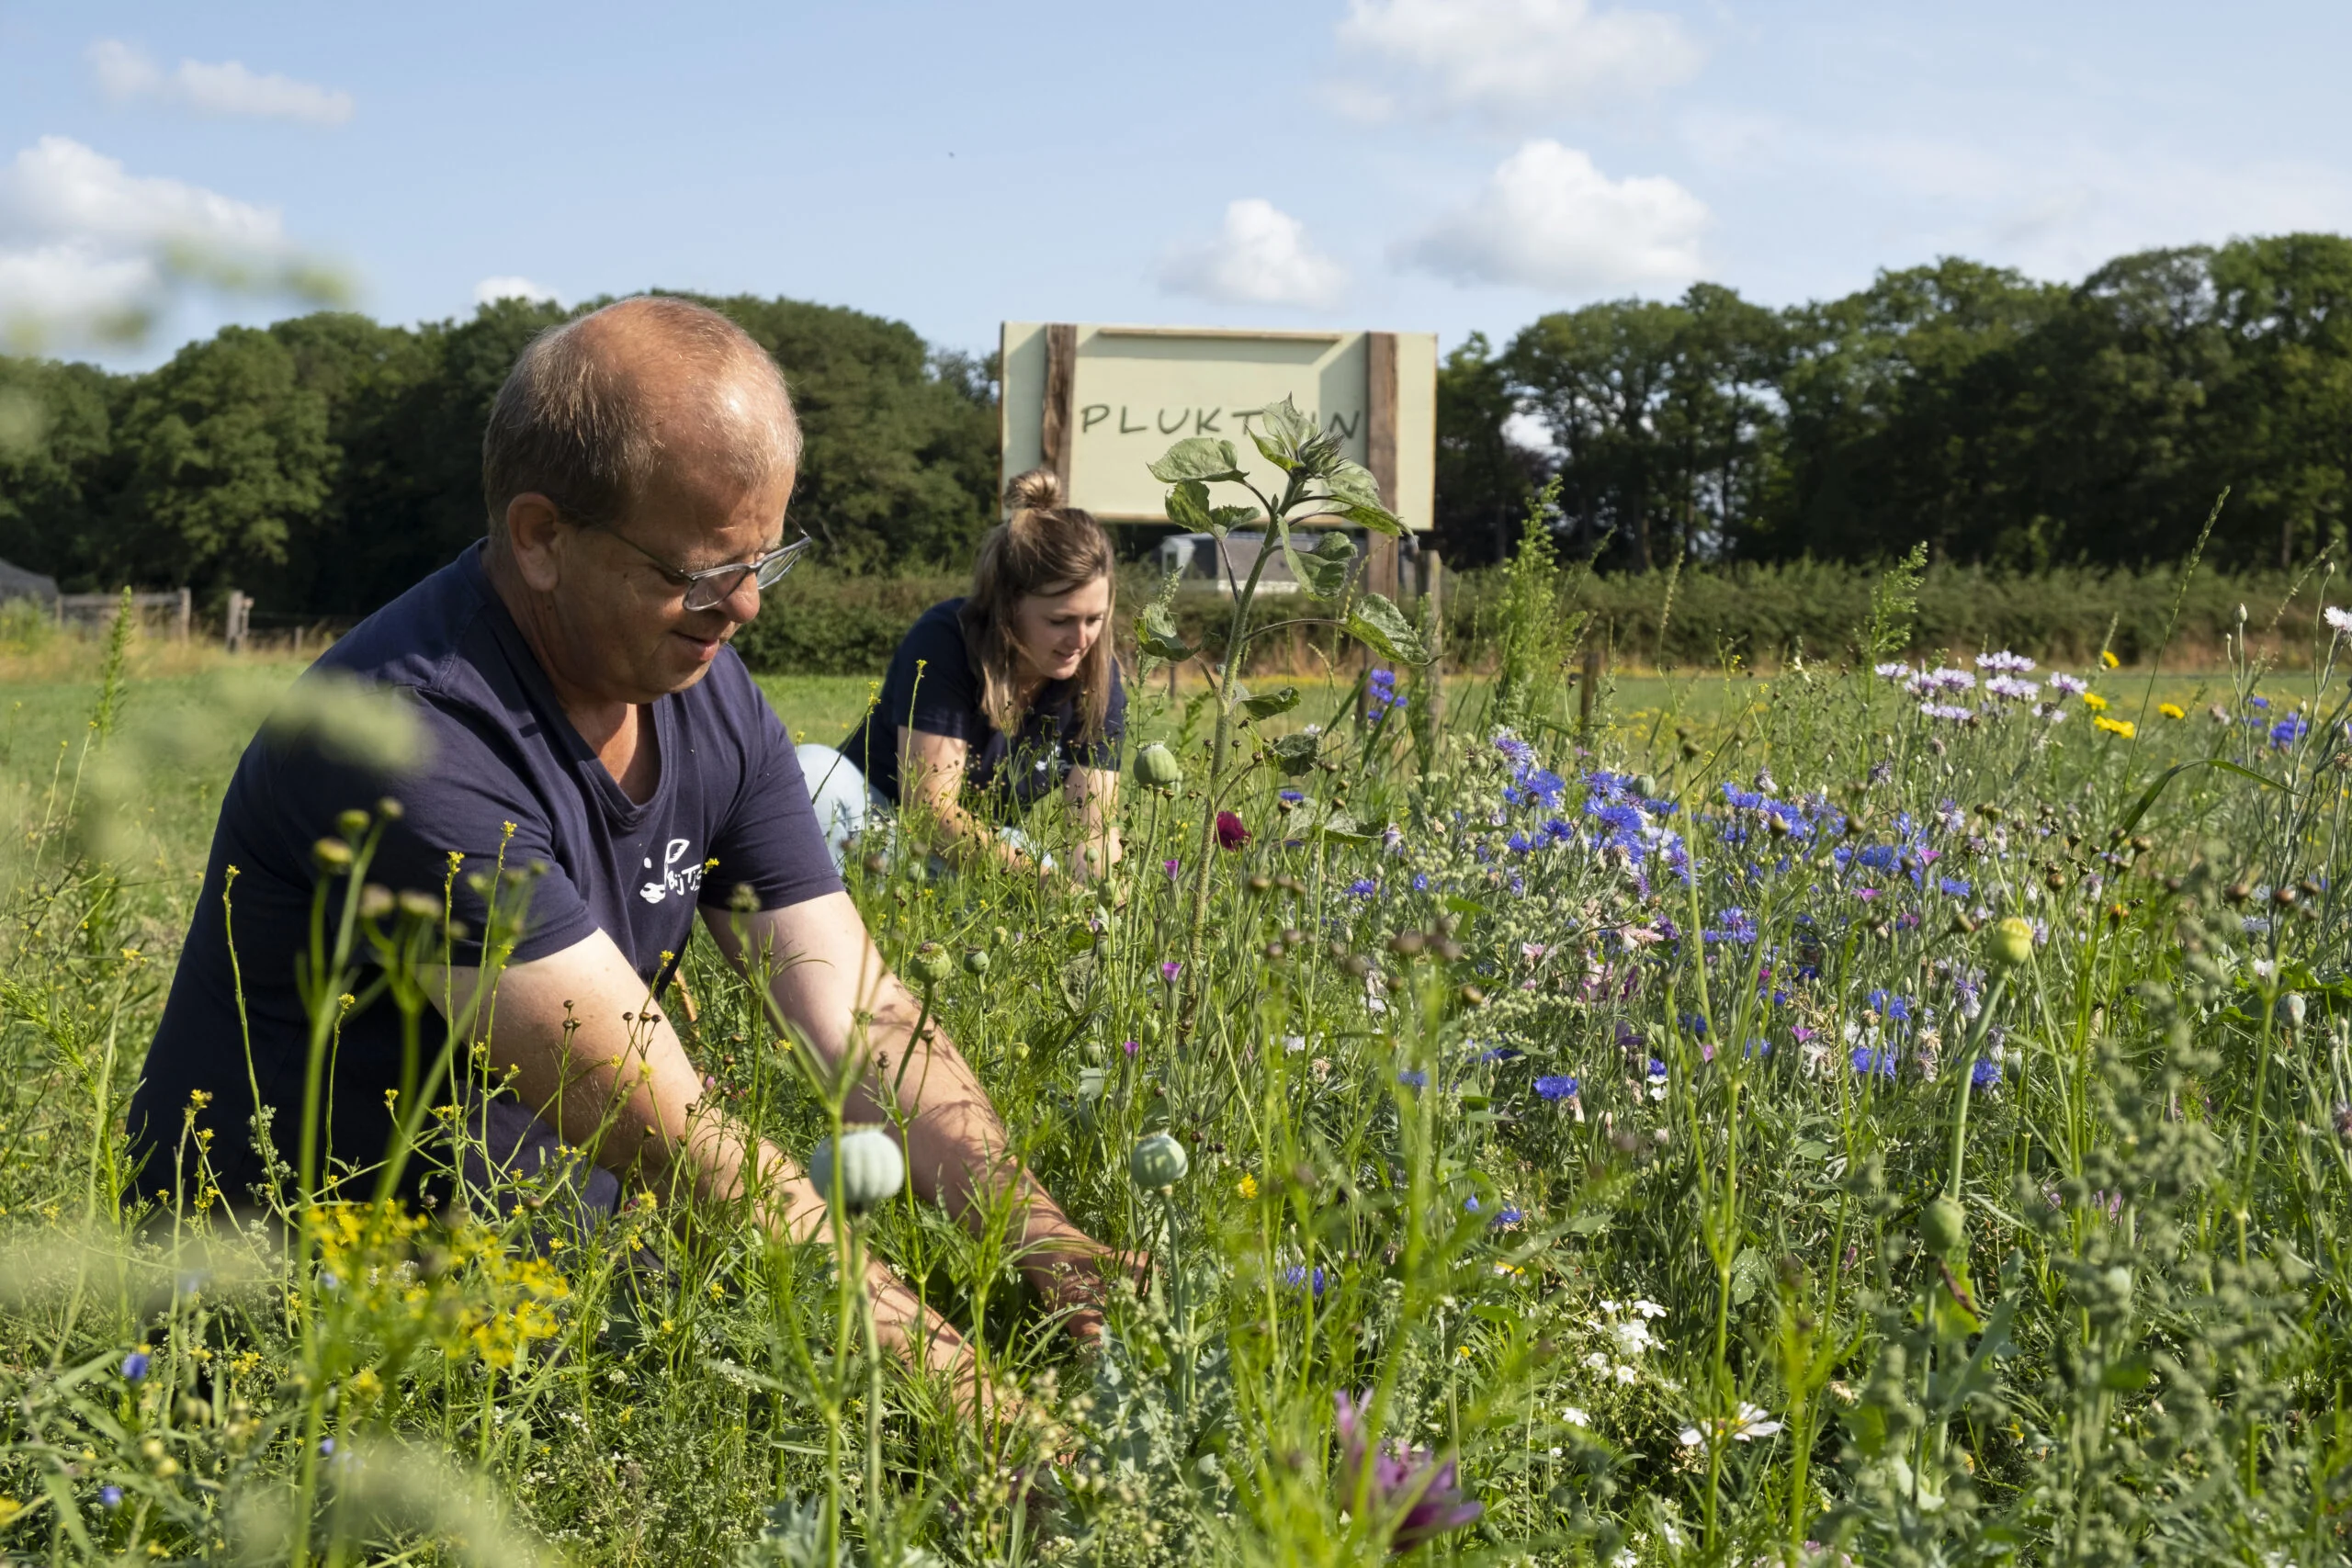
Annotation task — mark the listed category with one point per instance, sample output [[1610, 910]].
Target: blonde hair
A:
[[1043, 547]]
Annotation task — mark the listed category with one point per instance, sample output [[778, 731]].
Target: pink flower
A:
[[1170, 969], [1230, 833], [1405, 1484]]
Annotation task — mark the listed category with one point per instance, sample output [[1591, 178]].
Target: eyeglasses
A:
[[714, 585]]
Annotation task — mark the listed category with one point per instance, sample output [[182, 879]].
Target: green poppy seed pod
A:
[[1157, 768], [2295, 1008], [867, 1169], [375, 901], [1159, 1163], [1943, 1226], [976, 962], [2008, 942], [332, 855], [930, 963]]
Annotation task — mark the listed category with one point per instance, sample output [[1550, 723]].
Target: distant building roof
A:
[[15, 583]]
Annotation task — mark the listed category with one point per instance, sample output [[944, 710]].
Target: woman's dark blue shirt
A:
[[934, 686]]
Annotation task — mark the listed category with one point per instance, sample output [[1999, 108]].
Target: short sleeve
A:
[[770, 841], [932, 688], [468, 802]]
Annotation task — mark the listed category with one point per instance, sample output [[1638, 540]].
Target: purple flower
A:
[[134, 1366], [1230, 832], [1413, 1077], [1406, 1486], [1555, 1086], [111, 1496], [1171, 867], [1130, 1048], [1987, 1073], [1298, 1274], [1170, 969]]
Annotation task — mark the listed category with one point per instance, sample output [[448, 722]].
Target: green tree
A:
[[228, 465], [2284, 413], [1484, 478], [56, 444]]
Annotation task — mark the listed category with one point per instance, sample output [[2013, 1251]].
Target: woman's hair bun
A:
[[1039, 490]]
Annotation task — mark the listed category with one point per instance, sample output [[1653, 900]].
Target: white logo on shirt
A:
[[674, 878]]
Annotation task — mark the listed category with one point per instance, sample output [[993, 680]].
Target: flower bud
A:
[[332, 855], [2008, 942], [867, 1169], [1157, 768], [1159, 1163], [1943, 1226]]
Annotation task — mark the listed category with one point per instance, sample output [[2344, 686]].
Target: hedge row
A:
[[826, 625]]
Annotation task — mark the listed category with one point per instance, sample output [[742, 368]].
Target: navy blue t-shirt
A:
[[1004, 773], [729, 810]]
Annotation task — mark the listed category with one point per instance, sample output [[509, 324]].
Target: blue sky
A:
[[1429, 164]]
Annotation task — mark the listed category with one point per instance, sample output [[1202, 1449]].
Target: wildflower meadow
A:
[[1896, 1111]]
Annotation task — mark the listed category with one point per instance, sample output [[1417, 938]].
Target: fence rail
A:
[[98, 608]]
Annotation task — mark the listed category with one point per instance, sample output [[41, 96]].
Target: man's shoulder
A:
[[431, 638]]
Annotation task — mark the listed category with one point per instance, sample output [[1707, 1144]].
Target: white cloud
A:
[[1512, 60], [84, 241], [227, 88], [1547, 219], [491, 290], [1260, 257]]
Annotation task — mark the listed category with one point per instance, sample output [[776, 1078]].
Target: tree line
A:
[[2001, 420], [327, 461]]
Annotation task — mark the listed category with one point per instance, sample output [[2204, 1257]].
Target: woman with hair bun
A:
[[995, 700]]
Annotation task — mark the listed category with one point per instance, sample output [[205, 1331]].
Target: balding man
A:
[[589, 725]]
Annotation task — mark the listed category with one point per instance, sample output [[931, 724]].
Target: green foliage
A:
[[327, 462]]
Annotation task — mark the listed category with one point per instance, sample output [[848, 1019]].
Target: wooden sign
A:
[[1097, 404]]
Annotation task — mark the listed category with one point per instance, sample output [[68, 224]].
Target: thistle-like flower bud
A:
[[1943, 1226]]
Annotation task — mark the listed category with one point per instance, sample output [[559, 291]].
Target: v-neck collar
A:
[[618, 809]]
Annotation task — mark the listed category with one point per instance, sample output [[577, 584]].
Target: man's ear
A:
[[535, 538]]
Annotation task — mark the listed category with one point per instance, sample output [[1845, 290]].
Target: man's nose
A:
[[743, 601]]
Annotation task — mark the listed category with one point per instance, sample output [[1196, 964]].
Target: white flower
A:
[[1633, 1337], [1575, 1417], [1597, 1361], [2340, 618], [1628, 1375], [1896, 671], [1745, 1427], [1649, 1309], [1293, 1044]]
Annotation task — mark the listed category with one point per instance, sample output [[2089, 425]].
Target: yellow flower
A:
[[2107, 657], [2170, 710], [2114, 725], [1246, 1186], [2094, 701]]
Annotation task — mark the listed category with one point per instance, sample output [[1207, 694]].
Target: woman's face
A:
[[1055, 631]]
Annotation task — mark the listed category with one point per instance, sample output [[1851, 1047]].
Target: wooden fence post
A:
[[184, 616], [240, 616]]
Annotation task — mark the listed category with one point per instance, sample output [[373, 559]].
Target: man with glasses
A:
[[590, 729]]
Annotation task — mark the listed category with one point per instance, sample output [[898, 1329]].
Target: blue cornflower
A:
[[1518, 844], [2289, 730], [1470, 1204], [2257, 702], [134, 1366], [1420, 882], [1986, 1074], [1555, 1086], [1731, 925], [1293, 796], [1297, 1274], [1868, 1060], [1362, 888], [1413, 1077], [1954, 886], [1510, 1215], [1500, 1053], [1888, 1004], [1558, 832], [1657, 1068], [111, 1496]]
